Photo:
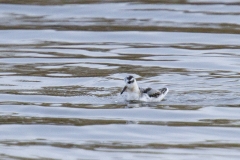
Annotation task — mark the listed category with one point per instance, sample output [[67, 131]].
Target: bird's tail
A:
[[164, 91]]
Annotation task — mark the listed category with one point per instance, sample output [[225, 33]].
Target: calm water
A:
[[63, 65]]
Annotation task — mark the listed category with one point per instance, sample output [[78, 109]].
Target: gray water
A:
[[62, 67]]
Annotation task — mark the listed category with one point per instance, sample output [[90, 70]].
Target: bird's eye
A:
[[129, 82]]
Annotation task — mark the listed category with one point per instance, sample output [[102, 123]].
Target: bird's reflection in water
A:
[[137, 104]]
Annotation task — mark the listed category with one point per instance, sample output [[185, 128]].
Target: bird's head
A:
[[130, 83]]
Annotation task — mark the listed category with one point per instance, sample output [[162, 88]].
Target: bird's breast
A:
[[133, 96]]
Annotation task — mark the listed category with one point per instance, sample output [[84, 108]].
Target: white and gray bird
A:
[[142, 94]]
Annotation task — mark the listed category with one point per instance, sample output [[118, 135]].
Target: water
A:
[[63, 65]]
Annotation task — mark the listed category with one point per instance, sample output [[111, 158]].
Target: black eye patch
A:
[[129, 82]]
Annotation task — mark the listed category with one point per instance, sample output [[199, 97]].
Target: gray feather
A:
[[153, 92]]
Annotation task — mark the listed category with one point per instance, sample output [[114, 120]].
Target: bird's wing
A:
[[153, 92], [150, 92]]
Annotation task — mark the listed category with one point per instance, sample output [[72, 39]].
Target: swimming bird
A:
[[141, 94]]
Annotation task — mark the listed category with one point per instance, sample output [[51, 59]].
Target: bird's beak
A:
[[124, 89]]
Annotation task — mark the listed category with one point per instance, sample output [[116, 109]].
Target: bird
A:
[[134, 93]]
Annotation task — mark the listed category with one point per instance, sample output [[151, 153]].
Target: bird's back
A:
[[154, 94]]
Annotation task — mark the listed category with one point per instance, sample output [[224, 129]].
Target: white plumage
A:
[[141, 94]]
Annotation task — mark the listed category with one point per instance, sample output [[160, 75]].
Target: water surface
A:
[[62, 70]]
